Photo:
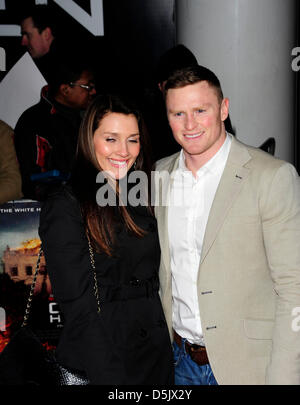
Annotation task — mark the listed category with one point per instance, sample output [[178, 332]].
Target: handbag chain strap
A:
[[29, 301], [32, 288], [96, 290]]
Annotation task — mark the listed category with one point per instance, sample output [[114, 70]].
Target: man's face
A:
[[196, 117], [37, 43], [80, 97]]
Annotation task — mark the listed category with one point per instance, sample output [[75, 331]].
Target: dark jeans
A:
[[187, 372]]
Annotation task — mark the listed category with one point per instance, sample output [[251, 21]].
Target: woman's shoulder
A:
[[61, 196]]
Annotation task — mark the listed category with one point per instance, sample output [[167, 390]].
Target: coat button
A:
[[135, 281]]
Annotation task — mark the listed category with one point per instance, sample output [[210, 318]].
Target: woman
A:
[[127, 342]]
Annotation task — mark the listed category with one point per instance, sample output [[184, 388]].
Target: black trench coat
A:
[[128, 341]]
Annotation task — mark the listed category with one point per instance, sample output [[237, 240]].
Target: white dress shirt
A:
[[190, 202]]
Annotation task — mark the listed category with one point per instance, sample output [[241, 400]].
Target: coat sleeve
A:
[[10, 178], [281, 230], [68, 264]]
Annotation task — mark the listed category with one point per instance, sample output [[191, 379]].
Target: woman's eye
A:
[[133, 140], [110, 139]]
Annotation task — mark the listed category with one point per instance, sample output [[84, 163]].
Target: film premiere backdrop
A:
[[122, 38]]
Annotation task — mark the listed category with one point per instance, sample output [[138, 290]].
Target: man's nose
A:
[[190, 121], [24, 40]]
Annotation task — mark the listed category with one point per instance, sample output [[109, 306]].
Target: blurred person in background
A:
[[39, 32], [10, 178], [46, 134]]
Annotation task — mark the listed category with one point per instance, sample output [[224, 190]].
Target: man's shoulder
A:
[[36, 115], [61, 196], [5, 131], [259, 158], [166, 162], [34, 110]]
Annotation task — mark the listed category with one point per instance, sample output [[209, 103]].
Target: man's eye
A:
[[178, 114], [200, 111]]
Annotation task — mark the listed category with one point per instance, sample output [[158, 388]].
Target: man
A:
[[39, 36], [162, 141], [46, 134], [230, 265], [10, 178]]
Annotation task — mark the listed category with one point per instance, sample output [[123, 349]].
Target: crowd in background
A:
[[45, 136]]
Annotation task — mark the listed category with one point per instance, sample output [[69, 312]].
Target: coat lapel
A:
[[162, 215], [231, 182]]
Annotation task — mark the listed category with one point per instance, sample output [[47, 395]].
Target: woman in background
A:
[[127, 342]]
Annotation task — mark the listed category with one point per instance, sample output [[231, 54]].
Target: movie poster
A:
[[19, 249]]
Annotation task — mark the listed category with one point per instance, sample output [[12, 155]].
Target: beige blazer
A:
[[249, 273], [10, 177]]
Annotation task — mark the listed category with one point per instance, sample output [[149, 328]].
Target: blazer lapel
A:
[[229, 187], [162, 215]]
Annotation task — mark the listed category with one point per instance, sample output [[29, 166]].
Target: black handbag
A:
[[26, 361]]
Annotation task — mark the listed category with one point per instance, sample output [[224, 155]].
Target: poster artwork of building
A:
[[19, 249]]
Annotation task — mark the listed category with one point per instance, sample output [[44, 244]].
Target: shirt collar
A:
[[215, 164]]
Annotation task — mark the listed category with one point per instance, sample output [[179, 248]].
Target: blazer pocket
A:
[[259, 328]]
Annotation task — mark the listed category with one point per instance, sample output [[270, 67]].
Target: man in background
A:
[[46, 134], [10, 178], [39, 35]]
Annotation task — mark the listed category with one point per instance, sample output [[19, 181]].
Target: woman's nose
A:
[[123, 149]]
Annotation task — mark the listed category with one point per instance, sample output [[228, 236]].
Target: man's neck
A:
[[195, 162]]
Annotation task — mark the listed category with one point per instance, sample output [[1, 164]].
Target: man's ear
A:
[[224, 109], [64, 89], [47, 33]]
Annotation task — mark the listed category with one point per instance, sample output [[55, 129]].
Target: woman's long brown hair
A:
[[101, 221]]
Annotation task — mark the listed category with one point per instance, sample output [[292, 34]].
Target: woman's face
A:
[[117, 143]]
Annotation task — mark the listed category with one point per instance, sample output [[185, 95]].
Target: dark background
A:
[[136, 34]]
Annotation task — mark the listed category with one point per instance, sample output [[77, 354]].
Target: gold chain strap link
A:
[[96, 291], [29, 301]]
